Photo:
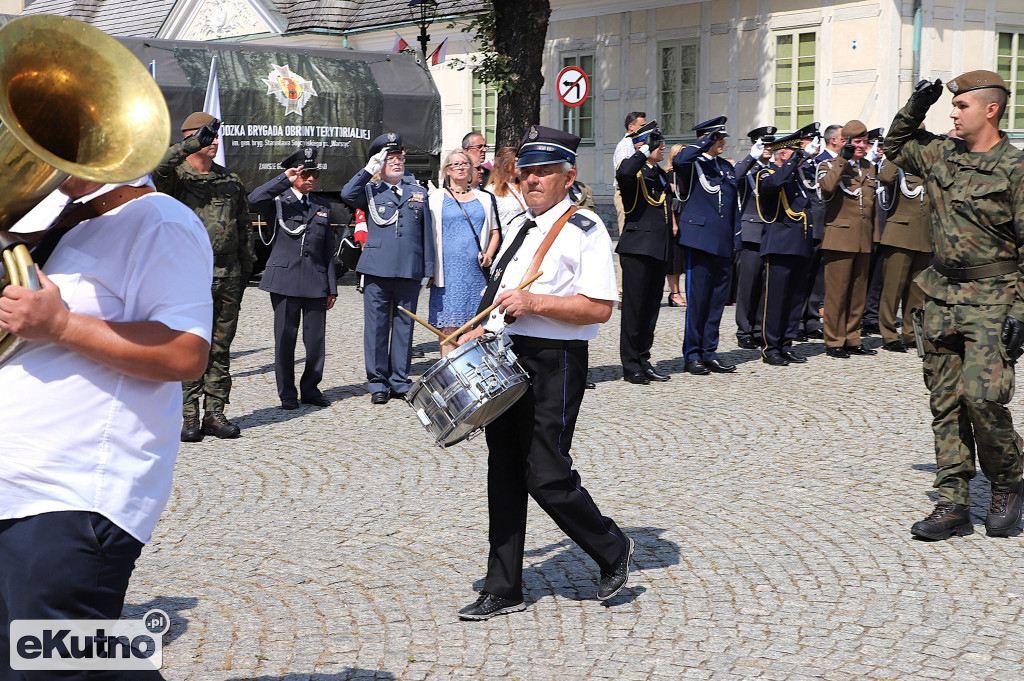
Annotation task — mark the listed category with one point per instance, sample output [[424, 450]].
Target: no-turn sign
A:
[[573, 86]]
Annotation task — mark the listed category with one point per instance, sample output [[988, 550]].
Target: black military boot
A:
[[190, 430], [215, 423], [1005, 510], [946, 520]]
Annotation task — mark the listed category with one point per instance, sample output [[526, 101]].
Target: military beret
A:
[[389, 140], [542, 145], [716, 124], [196, 121], [641, 133], [976, 80], [304, 156], [855, 128], [764, 134]]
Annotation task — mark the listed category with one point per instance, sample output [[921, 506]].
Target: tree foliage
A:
[[510, 39]]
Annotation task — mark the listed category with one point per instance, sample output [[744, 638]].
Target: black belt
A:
[[993, 269], [545, 343]]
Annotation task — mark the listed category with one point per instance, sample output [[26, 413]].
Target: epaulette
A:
[[584, 223]]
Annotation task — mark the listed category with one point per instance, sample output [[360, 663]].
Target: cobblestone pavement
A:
[[771, 512]]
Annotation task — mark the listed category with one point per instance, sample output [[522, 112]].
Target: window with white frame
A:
[[677, 91], [484, 109], [579, 120], [795, 66], [1010, 65]]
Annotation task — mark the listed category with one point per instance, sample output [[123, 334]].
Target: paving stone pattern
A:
[[771, 511]]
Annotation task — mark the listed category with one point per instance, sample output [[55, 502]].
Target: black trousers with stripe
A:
[[783, 301], [528, 454]]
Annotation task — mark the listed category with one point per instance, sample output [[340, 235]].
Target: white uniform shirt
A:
[[78, 436], [623, 150], [577, 262]]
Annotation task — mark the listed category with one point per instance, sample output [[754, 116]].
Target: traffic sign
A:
[[573, 86]]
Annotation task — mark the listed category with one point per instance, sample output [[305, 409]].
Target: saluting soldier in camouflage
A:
[[189, 174], [973, 320]]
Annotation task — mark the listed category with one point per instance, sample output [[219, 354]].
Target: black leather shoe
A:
[[612, 582], [869, 330], [590, 385], [696, 368], [793, 358], [801, 337], [946, 520], [746, 343], [859, 350], [636, 379], [719, 368], [839, 353], [653, 375], [396, 395], [289, 404], [775, 360], [317, 401], [381, 397], [894, 346], [191, 431], [489, 605], [815, 333], [216, 424], [1005, 510]]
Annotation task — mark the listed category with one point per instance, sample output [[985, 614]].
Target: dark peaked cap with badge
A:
[[876, 135], [306, 156], [976, 80], [810, 131], [641, 133], [763, 134], [542, 145], [389, 140], [715, 125]]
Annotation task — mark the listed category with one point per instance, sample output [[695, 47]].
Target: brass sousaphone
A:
[[73, 101]]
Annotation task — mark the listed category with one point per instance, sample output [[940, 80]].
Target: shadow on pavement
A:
[[171, 605]]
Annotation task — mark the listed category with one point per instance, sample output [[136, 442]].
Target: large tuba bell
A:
[[73, 101]]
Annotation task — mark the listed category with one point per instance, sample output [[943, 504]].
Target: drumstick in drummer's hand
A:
[[440, 334], [465, 327]]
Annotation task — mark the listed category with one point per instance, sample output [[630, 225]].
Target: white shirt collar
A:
[[548, 218], [297, 193]]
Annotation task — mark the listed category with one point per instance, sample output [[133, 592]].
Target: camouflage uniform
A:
[[977, 218], [219, 199]]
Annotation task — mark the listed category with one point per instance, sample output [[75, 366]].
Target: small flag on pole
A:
[[212, 105], [437, 56], [400, 43], [152, 69]]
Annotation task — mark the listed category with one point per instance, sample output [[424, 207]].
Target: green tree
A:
[[510, 38]]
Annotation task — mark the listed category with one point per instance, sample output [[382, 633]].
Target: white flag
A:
[[212, 106]]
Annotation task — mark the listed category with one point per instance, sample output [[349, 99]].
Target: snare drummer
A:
[[554, 320]]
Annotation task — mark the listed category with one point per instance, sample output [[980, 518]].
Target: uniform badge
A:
[[587, 223], [953, 86], [533, 133], [392, 137], [381, 210]]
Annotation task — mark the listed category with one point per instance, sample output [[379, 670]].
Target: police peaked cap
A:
[[714, 125], [876, 135], [197, 120], [389, 140], [763, 134], [641, 133], [976, 80], [305, 156], [810, 130], [542, 145]]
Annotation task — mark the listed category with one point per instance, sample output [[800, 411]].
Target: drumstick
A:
[[421, 321], [465, 327]]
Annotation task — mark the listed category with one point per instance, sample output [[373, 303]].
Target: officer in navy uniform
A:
[[644, 249], [709, 227], [529, 445], [299, 275], [397, 259], [749, 269], [810, 322], [787, 244]]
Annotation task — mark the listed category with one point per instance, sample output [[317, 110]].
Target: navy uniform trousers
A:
[[643, 279], [64, 565], [707, 288], [528, 454], [387, 337], [785, 297], [287, 311], [749, 284]]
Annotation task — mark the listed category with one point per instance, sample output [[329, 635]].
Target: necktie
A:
[[305, 202], [397, 191], [498, 272]]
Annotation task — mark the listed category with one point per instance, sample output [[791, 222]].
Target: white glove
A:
[[645, 150], [376, 162], [872, 155], [813, 147], [757, 149]]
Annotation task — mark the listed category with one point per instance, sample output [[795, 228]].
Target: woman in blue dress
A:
[[466, 234]]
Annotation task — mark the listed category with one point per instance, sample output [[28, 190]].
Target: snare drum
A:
[[468, 389]]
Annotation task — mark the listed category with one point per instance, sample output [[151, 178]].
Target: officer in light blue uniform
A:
[[709, 228], [397, 258]]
